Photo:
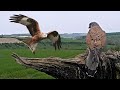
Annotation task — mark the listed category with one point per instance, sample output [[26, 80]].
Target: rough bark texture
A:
[[74, 68]]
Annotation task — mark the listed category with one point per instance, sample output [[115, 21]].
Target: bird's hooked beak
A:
[[44, 35], [89, 26]]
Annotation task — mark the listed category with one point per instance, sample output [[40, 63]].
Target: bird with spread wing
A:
[[96, 41], [33, 27]]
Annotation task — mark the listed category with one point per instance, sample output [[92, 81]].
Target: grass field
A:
[[9, 69]]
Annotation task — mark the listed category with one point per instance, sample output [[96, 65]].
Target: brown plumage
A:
[[33, 27], [96, 40], [96, 37]]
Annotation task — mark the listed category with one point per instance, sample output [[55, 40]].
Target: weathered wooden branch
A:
[[74, 68]]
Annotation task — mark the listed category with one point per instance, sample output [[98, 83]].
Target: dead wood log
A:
[[74, 68]]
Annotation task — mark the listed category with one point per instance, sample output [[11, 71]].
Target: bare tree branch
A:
[[73, 68]]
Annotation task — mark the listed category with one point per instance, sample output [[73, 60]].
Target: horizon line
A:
[[60, 33]]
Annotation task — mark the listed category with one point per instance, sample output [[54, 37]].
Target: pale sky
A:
[[62, 21]]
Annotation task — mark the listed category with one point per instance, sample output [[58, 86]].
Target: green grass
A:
[[10, 69]]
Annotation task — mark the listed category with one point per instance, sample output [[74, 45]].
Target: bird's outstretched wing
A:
[[54, 36], [31, 24], [33, 27]]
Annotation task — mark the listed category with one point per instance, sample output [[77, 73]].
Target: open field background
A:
[[71, 47]]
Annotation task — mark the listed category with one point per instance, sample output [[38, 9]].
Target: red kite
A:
[[33, 27]]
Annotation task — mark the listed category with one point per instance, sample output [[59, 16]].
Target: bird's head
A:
[[44, 35], [92, 24]]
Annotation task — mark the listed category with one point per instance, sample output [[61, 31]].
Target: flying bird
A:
[[34, 29], [96, 41]]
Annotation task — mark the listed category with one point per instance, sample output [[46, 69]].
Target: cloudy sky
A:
[[62, 21]]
